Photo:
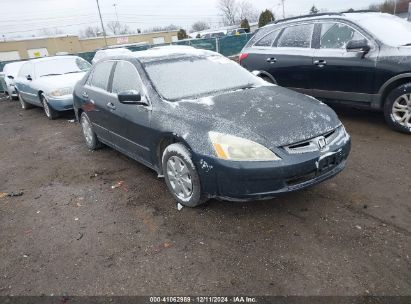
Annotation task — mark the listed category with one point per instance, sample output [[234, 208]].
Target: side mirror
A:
[[359, 46], [131, 97], [28, 77], [10, 77]]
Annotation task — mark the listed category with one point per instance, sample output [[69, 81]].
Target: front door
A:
[[130, 122], [340, 74]]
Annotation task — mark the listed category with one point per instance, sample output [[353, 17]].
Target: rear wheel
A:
[[90, 136], [50, 112], [181, 176], [24, 105], [397, 108]]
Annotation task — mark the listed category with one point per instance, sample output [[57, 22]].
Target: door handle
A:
[[111, 106], [320, 63], [85, 95], [271, 60]]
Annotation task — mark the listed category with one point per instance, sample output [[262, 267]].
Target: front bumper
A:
[[62, 103], [242, 181]]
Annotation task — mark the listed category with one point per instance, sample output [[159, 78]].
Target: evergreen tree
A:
[[245, 25], [266, 17], [314, 10], [182, 34]]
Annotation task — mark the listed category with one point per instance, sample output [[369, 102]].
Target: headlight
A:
[[239, 149], [62, 92]]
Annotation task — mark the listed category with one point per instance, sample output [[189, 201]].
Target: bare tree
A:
[[90, 31], [50, 32], [117, 28], [200, 26], [166, 28], [229, 11], [246, 10]]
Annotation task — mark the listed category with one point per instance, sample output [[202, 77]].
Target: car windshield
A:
[[59, 66], [383, 26], [197, 77]]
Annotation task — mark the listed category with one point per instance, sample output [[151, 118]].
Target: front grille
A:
[[312, 145]]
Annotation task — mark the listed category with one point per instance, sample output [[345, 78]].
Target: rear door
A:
[[340, 74], [130, 123], [293, 57], [96, 95]]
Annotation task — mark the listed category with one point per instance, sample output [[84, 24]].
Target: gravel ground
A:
[[71, 233]]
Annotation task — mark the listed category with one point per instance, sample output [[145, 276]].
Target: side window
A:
[[25, 70], [268, 40], [298, 36], [337, 35], [126, 78], [101, 75]]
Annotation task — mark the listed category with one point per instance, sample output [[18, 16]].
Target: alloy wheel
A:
[[179, 178], [87, 131], [46, 107], [401, 110]]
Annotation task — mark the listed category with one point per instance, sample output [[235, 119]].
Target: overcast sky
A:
[[27, 17]]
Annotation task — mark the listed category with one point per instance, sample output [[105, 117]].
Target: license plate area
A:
[[328, 162]]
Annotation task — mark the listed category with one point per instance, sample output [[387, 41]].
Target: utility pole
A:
[[395, 7], [102, 24], [282, 1], [115, 9]]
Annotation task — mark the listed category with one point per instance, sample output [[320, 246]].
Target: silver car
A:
[[10, 71], [49, 83]]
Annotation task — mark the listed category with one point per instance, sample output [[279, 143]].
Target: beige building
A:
[[49, 46]]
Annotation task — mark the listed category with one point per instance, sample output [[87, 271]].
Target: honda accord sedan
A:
[[208, 126], [49, 83]]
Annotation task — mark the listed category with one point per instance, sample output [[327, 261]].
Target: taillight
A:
[[243, 56]]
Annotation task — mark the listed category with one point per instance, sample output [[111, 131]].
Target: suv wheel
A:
[[181, 176], [50, 112], [397, 108]]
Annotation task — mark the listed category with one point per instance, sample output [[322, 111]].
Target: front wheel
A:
[[50, 112], [397, 108], [181, 176]]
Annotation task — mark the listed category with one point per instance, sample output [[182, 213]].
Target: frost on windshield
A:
[[59, 66], [195, 77], [389, 29]]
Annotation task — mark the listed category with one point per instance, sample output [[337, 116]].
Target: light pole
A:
[[115, 9], [282, 1], [102, 24], [395, 7]]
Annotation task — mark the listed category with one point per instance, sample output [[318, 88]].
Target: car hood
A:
[[272, 115], [50, 83]]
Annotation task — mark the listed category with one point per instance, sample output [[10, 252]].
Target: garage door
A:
[[9, 56]]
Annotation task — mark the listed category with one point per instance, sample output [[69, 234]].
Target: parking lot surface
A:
[[99, 223]]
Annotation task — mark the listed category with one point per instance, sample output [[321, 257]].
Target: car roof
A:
[[350, 16], [51, 58], [166, 52]]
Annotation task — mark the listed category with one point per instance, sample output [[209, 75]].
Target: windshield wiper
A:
[[50, 75], [73, 72], [408, 44]]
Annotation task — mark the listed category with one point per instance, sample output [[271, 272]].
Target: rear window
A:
[[197, 77], [298, 36]]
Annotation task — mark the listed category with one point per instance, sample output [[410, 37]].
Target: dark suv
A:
[[360, 59]]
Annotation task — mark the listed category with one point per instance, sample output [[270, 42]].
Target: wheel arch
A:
[[264, 74], [164, 141], [391, 84]]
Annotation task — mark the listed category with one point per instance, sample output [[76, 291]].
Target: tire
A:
[[181, 176], [397, 108], [90, 136], [49, 111], [24, 105]]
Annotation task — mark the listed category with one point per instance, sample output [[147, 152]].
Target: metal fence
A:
[[227, 46]]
